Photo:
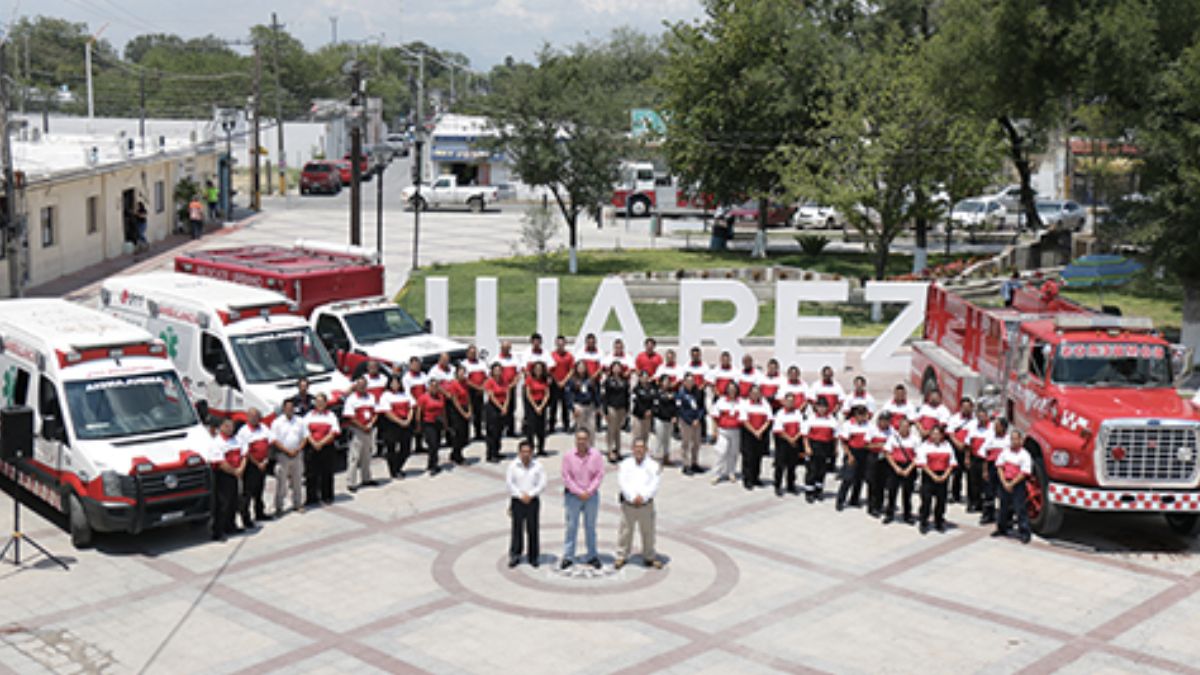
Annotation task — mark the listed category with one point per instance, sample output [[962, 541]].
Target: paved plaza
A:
[[412, 576]]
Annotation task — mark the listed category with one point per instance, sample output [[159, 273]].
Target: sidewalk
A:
[[78, 285]]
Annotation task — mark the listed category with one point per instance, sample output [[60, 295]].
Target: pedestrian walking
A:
[[935, 457], [665, 415], [526, 480], [321, 430], [788, 429], [227, 459], [287, 441], [498, 400], [638, 480], [255, 438], [615, 396], [756, 436], [396, 410], [1014, 467], [582, 473], [727, 417], [359, 411], [196, 217]]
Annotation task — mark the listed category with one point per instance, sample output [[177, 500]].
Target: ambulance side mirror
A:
[[52, 429]]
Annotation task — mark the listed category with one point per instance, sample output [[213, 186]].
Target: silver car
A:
[[812, 214], [1065, 215], [978, 214]]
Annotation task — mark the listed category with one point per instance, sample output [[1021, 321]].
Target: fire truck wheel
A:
[[1045, 516], [81, 531], [1183, 523], [639, 207]]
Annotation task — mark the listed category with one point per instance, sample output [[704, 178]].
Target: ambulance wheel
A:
[[1045, 516], [1183, 523], [81, 531]]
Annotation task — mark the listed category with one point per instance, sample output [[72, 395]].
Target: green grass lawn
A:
[[1159, 299], [517, 288]]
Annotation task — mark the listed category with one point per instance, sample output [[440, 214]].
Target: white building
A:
[[79, 188]]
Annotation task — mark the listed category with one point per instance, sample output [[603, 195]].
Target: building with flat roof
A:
[[78, 192]]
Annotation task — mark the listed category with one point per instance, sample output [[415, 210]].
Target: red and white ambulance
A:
[[117, 444], [1094, 394]]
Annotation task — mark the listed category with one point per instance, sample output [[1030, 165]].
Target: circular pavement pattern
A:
[[696, 574]]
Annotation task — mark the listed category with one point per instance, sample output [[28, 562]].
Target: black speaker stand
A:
[[17, 536]]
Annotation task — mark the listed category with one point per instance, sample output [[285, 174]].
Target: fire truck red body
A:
[[1094, 395], [642, 191]]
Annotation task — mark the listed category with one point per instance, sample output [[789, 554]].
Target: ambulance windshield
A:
[[377, 325], [281, 355], [128, 406], [1112, 364]]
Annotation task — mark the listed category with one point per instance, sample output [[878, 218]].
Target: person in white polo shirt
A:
[[287, 439], [638, 480], [360, 412], [526, 480], [1014, 466]]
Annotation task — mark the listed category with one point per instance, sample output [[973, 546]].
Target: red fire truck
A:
[[340, 290], [1093, 393], [642, 191]]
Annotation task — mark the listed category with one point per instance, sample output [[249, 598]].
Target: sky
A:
[[485, 30]]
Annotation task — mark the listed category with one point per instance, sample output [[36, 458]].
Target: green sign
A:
[[9, 385], [169, 337]]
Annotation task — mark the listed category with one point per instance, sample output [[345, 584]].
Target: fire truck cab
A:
[[117, 444], [1094, 394]]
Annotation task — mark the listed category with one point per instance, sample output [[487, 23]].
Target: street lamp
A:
[[228, 124], [380, 165]]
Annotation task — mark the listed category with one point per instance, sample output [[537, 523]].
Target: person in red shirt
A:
[[537, 397], [856, 438], [510, 367], [591, 355], [432, 406], [936, 458], [820, 432], [498, 402], [727, 412], [477, 374], [359, 409], [723, 374], [901, 455], [770, 383], [562, 362], [395, 425], [255, 438], [756, 436], [649, 360], [459, 413], [321, 429], [789, 445], [228, 463]]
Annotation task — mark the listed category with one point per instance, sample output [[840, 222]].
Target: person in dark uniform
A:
[[756, 436], [477, 374], [458, 395], [789, 445], [855, 436], [615, 397], [820, 431], [526, 480], [582, 393]]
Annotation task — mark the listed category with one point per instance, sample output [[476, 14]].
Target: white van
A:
[[117, 444], [236, 347]]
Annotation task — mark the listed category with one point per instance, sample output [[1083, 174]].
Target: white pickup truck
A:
[[445, 191]]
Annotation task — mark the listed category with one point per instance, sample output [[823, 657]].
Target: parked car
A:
[[365, 171], [1010, 197], [978, 213], [812, 214], [778, 215], [397, 144], [1057, 215], [320, 177]]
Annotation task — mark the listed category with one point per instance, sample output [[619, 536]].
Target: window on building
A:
[[160, 196], [49, 223], [93, 214]]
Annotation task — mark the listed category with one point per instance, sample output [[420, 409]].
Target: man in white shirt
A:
[[1014, 467], [526, 480], [638, 480], [287, 438]]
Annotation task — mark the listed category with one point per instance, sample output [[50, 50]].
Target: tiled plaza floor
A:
[[411, 576]]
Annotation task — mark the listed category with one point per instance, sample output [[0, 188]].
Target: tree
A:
[[883, 146], [736, 88], [562, 122]]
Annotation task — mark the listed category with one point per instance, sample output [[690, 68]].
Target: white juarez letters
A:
[[613, 298]]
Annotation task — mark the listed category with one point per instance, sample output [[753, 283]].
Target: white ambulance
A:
[[236, 347], [117, 444]]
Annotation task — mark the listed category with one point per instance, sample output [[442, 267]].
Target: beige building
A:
[[79, 189]]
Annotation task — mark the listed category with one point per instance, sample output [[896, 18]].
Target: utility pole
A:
[[12, 229], [142, 108], [281, 160], [356, 105], [333, 24], [256, 186], [379, 209], [87, 65], [418, 202]]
